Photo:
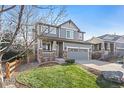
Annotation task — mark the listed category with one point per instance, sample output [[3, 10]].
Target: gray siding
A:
[[120, 52], [77, 45], [76, 35], [51, 35], [120, 45], [62, 33]]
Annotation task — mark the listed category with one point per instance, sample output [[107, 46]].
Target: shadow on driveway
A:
[[95, 62]]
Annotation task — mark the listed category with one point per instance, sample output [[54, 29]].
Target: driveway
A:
[[102, 66]]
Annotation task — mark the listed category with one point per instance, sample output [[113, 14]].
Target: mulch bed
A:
[[45, 64], [92, 70], [20, 85]]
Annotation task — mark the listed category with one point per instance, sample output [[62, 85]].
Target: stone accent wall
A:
[[47, 56], [65, 54]]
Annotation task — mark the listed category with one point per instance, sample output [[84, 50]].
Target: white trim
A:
[[53, 30], [77, 47], [81, 48], [71, 31], [59, 29], [70, 28], [119, 48]]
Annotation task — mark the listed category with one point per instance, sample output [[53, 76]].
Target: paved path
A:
[[103, 66]]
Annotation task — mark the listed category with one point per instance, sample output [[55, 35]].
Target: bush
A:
[[70, 61], [96, 55], [9, 55]]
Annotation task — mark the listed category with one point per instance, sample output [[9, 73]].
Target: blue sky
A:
[[98, 20]]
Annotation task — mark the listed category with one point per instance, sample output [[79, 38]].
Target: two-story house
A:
[[108, 44], [66, 40]]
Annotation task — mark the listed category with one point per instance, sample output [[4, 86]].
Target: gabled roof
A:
[[109, 37], [95, 40], [70, 21]]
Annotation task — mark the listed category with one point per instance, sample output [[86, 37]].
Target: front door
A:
[[112, 47]]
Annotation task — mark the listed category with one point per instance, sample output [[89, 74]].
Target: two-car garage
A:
[[78, 53]]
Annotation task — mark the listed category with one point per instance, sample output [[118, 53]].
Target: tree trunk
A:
[[1, 73], [27, 58]]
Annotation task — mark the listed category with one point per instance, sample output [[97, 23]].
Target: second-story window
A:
[[45, 29], [52, 30], [70, 34], [80, 36]]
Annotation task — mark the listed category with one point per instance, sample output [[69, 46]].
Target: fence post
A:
[[1, 77], [17, 63], [7, 70]]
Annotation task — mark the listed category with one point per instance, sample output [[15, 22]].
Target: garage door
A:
[[120, 52], [78, 54]]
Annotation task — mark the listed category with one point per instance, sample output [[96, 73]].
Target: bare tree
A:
[[3, 51], [30, 19], [23, 18]]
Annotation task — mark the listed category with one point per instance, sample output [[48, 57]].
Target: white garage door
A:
[[78, 53]]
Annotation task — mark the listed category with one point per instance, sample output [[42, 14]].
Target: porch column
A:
[[115, 52], [39, 50], [54, 48], [64, 51], [103, 47], [108, 46]]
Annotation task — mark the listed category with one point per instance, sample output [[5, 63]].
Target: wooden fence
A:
[[11, 68], [0, 73]]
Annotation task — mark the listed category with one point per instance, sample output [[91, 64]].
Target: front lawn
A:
[[61, 76]]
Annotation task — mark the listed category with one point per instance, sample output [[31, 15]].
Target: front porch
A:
[[49, 50], [104, 47]]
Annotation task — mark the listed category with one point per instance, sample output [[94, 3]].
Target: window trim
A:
[[47, 29], [71, 33], [54, 30]]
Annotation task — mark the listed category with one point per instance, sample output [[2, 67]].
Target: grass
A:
[[62, 76]]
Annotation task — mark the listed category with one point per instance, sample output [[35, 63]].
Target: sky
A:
[[97, 20]]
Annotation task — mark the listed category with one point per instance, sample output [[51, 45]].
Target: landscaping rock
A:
[[114, 76]]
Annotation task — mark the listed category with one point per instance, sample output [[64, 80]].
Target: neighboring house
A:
[[66, 40], [108, 44]]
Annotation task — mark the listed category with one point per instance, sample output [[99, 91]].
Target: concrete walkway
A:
[[102, 66]]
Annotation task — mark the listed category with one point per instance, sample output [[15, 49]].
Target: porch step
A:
[[60, 60]]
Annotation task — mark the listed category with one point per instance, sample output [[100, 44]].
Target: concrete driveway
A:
[[101, 65]]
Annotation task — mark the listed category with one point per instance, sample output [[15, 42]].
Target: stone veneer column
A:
[[108, 46], [54, 49], [64, 52], [39, 50]]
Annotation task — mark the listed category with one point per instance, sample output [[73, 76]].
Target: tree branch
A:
[[16, 31], [6, 9]]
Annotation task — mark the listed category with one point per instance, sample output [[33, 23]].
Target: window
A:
[[96, 47], [46, 46], [80, 36], [100, 46], [70, 34], [52, 30], [45, 29]]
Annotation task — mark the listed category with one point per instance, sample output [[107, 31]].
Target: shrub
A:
[[9, 55], [96, 55], [70, 61]]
